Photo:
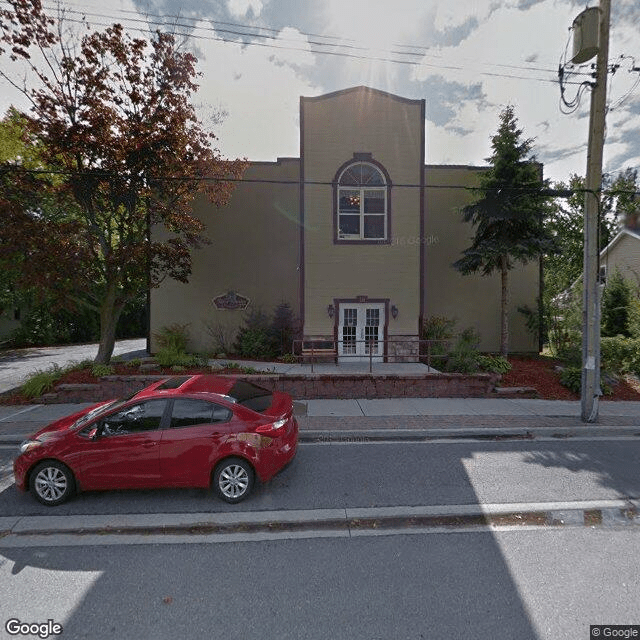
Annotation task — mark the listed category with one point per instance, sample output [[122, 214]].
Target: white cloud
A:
[[496, 49], [292, 47], [449, 15], [240, 8], [259, 88]]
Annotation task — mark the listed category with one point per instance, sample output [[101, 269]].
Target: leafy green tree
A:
[[620, 197], [564, 223], [115, 120], [616, 299], [508, 214]]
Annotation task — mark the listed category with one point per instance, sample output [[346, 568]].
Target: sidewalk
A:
[[401, 418], [17, 364]]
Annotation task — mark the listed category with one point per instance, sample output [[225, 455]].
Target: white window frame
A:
[[361, 189]]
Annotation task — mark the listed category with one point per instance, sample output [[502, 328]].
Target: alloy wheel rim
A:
[[233, 481], [51, 484]]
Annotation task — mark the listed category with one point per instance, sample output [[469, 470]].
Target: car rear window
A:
[[173, 383], [250, 395]]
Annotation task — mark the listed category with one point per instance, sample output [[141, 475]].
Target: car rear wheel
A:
[[52, 483], [233, 480]]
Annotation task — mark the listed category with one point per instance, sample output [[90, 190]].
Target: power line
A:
[[190, 178], [423, 50], [313, 48]]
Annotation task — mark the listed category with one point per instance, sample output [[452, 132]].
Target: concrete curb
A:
[[349, 522], [443, 433], [481, 433]]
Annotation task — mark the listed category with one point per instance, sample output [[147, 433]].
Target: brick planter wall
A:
[[435, 385]]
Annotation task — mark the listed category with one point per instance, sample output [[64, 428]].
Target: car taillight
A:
[[272, 428]]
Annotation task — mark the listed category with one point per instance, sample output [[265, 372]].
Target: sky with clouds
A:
[[467, 58]]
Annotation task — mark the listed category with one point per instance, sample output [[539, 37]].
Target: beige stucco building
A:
[[358, 235]]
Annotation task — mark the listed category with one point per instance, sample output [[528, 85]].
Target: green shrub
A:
[[168, 358], [494, 364], [620, 355], [255, 339], [436, 328], [249, 370], [173, 338], [563, 325], [266, 338], [289, 358], [633, 319], [255, 343], [78, 366], [43, 324], [134, 363], [285, 328], [616, 299], [41, 382], [464, 357], [100, 370], [570, 353], [178, 369], [571, 377]]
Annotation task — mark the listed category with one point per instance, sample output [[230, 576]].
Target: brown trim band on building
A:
[[301, 245], [423, 275]]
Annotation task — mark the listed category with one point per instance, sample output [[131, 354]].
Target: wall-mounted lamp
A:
[[331, 310], [394, 311]]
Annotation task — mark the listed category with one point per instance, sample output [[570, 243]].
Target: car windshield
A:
[[250, 395], [98, 411]]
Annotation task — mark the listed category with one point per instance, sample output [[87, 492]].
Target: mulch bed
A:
[[540, 373]]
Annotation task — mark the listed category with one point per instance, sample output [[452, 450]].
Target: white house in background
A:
[[623, 254]]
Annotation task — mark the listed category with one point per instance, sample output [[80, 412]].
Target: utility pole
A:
[[592, 198]]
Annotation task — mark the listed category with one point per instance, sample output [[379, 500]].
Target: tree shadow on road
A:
[[613, 465]]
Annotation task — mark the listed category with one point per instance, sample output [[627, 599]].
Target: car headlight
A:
[[27, 445], [279, 424]]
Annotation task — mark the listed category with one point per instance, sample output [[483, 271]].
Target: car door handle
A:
[[148, 445]]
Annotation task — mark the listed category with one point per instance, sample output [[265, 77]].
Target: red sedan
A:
[[186, 431]]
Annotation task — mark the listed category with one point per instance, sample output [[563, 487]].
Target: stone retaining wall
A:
[[310, 386]]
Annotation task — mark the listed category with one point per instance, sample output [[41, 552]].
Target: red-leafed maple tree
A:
[[123, 151]]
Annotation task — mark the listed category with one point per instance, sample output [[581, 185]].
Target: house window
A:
[[362, 203]]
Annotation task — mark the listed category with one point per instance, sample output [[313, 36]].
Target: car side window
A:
[[137, 418], [188, 413]]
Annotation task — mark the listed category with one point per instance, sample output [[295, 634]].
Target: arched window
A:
[[362, 203]]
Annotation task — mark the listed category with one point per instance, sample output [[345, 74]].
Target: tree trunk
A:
[[504, 309], [109, 315]]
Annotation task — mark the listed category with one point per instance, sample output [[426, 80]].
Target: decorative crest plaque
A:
[[231, 301]]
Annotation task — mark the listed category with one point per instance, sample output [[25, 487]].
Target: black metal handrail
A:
[[315, 352]]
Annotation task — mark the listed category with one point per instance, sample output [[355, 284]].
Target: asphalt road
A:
[[529, 585], [390, 474]]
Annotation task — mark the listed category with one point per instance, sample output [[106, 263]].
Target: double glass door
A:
[[361, 332]]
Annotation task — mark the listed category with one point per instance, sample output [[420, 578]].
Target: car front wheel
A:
[[233, 480], [52, 483]]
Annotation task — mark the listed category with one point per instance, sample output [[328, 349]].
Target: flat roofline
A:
[[364, 89], [469, 167], [279, 160]]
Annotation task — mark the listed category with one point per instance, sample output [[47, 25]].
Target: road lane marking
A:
[[17, 413], [363, 441]]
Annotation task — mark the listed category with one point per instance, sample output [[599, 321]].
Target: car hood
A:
[[61, 426]]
